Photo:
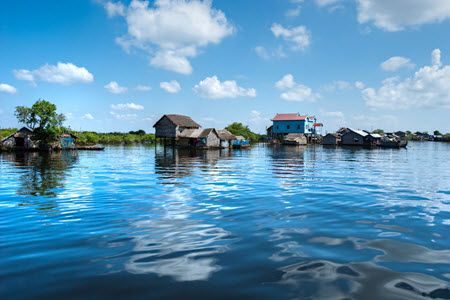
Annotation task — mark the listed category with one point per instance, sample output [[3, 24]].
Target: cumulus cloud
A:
[[88, 117], [213, 88], [172, 86], [298, 37], [114, 9], [127, 106], [6, 88], [400, 14], [258, 122], [428, 87], [360, 85], [293, 12], [62, 73], [172, 31], [396, 63], [143, 88], [296, 92], [115, 88]]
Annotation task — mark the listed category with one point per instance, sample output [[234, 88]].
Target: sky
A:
[[120, 65]]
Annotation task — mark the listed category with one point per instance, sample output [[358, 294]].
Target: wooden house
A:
[[171, 126], [20, 140], [240, 142], [353, 137], [283, 124], [209, 138], [226, 138], [67, 141], [331, 139]]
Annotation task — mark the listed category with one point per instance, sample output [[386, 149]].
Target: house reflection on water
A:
[[42, 174], [177, 238]]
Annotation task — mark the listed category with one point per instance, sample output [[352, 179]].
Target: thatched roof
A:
[[225, 135], [180, 120], [207, 131]]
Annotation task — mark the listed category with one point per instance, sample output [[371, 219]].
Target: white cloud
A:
[[429, 87], [123, 117], [296, 92], [360, 85], [127, 106], [114, 9], [396, 63], [143, 88], [62, 73], [213, 88], [115, 88], [88, 117], [258, 122], [400, 14], [298, 37], [172, 86], [6, 88], [171, 31]]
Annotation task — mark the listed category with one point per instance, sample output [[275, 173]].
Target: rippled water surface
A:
[[267, 223]]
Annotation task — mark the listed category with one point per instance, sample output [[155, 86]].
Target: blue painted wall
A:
[[284, 127]]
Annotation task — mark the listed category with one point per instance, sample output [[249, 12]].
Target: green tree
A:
[[436, 132], [240, 129], [43, 119], [379, 131]]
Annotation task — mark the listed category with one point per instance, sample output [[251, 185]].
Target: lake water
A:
[[265, 223]]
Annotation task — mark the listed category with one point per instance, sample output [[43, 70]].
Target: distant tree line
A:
[[243, 130]]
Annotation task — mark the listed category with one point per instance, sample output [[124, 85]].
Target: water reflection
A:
[[42, 174], [175, 240]]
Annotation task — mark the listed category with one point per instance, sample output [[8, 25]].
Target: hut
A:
[[171, 126], [295, 139], [209, 138], [20, 140], [331, 139], [354, 137], [226, 138]]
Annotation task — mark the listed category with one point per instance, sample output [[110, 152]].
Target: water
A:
[[283, 223]]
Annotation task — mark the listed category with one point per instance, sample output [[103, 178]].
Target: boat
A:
[[91, 148]]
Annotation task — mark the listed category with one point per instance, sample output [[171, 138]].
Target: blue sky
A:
[[112, 65]]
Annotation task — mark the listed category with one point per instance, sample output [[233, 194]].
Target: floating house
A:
[[284, 124], [226, 138], [353, 137], [331, 139], [171, 126], [20, 140], [209, 138]]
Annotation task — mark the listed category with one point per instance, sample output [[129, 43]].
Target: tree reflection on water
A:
[[43, 173]]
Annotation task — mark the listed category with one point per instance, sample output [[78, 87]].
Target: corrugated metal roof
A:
[[360, 132], [289, 117]]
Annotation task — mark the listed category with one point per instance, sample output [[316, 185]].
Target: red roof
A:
[[318, 125], [288, 117]]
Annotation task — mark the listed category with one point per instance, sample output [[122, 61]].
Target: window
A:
[[298, 126], [276, 127], [288, 127]]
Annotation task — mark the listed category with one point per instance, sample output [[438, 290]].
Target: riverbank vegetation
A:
[[86, 138], [243, 130]]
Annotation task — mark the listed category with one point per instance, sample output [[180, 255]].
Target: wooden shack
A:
[[354, 137], [67, 141], [20, 140], [226, 138], [331, 139], [209, 138], [171, 126]]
